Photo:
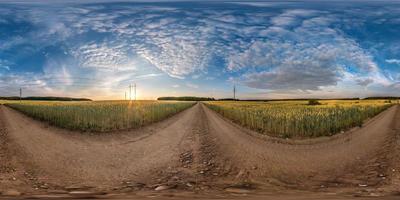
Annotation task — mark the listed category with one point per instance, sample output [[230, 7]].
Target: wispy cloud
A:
[[364, 82], [393, 61], [104, 56], [144, 76], [4, 64]]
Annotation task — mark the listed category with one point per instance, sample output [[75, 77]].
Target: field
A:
[[297, 119], [99, 116]]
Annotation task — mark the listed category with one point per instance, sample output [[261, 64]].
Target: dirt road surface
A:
[[198, 153]]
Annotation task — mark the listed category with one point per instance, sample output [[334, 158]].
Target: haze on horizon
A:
[[268, 49]]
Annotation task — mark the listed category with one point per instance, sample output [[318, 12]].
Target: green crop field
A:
[[100, 116], [297, 119]]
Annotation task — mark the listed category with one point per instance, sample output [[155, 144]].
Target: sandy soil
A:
[[197, 153]]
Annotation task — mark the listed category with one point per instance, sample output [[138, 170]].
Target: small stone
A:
[[11, 193], [374, 195], [162, 187], [79, 192], [362, 185], [44, 187]]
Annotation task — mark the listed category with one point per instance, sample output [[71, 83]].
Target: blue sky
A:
[[269, 49]]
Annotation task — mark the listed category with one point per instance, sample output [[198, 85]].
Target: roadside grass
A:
[[6, 101], [299, 119], [99, 116]]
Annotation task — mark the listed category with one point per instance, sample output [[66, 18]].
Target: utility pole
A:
[[125, 95], [20, 94], [135, 90], [130, 92], [234, 92]]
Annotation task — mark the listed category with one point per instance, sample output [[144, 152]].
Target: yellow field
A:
[[296, 119], [99, 116]]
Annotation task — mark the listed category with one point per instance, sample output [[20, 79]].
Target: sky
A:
[[268, 49]]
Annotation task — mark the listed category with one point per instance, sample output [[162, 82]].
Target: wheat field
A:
[[297, 119], [100, 116]]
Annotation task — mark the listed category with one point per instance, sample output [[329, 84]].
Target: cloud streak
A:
[[393, 61]]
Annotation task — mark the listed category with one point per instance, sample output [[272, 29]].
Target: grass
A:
[[100, 116], [299, 119]]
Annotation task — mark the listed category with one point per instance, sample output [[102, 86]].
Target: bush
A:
[[313, 102]]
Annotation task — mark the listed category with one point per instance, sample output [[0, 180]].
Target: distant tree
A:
[[228, 99], [387, 97], [186, 98], [45, 98]]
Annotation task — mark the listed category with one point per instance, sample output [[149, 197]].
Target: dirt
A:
[[197, 153]]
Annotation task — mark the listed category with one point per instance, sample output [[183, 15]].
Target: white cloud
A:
[[104, 56], [393, 61], [291, 17], [308, 57]]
